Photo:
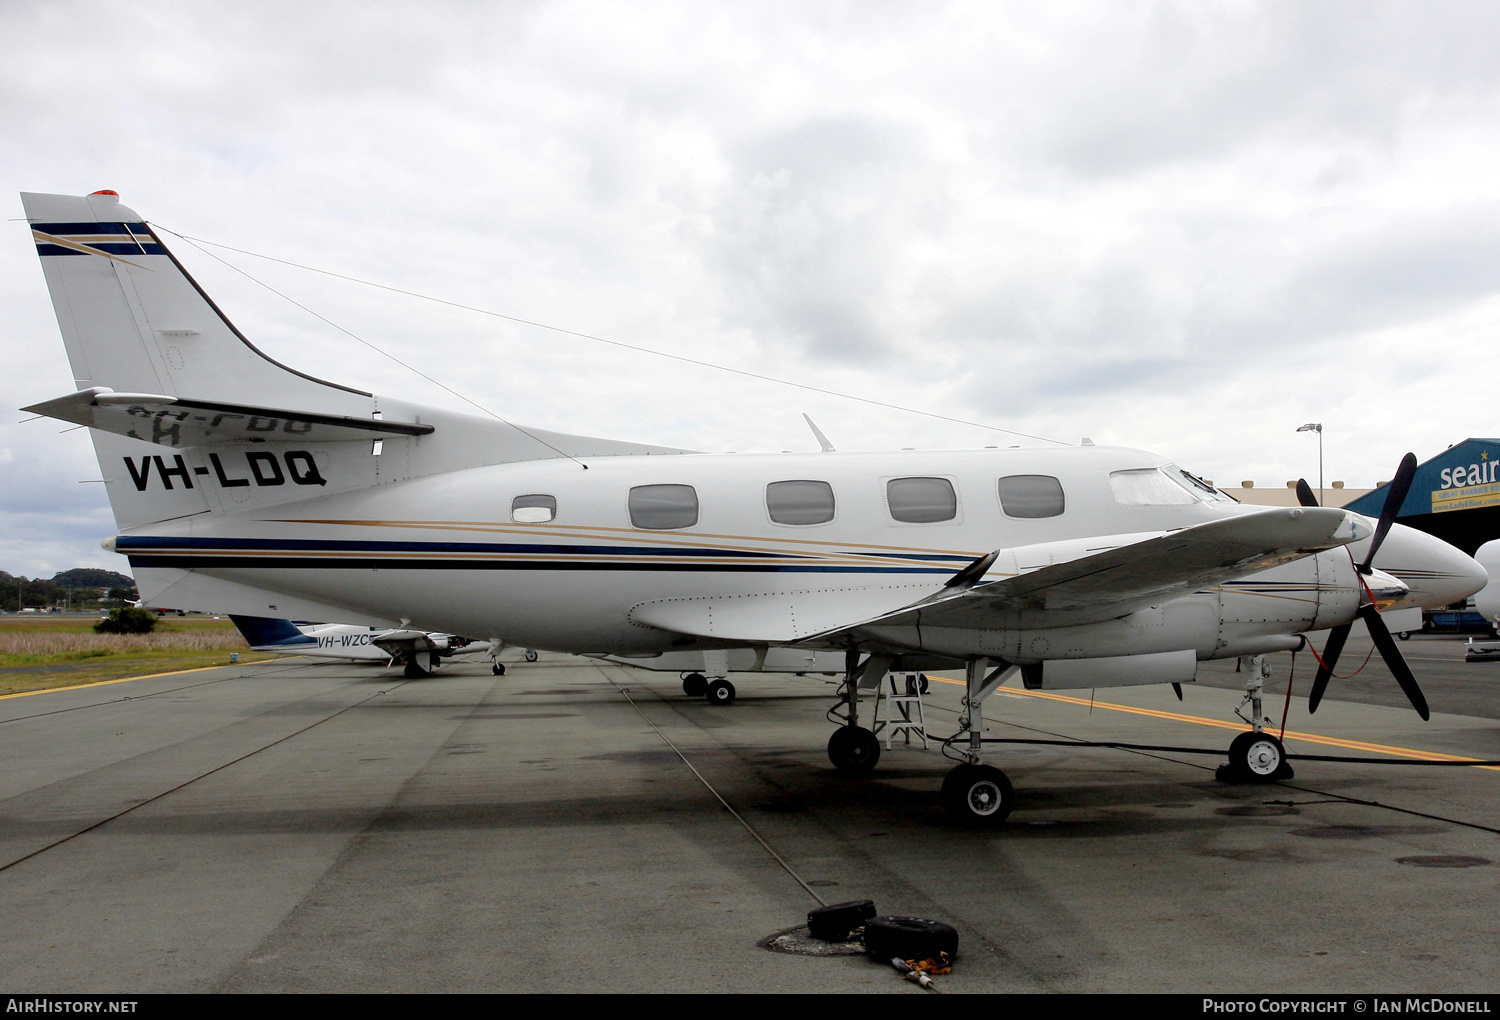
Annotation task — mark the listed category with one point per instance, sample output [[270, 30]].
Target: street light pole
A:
[[1318, 428]]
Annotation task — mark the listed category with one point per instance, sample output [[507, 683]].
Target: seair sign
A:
[[1467, 486], [1466, 476]]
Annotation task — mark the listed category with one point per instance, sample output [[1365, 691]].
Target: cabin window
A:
[[1031, 496], [533, 509], [921, 500], [800, 502], [1147, 487], [663, 507]]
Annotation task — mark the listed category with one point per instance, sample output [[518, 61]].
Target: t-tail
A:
[[190, 418]]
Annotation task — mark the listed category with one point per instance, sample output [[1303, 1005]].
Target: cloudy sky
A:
[[1187, 227]]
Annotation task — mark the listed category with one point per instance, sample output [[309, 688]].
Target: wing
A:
[[1049, 585]]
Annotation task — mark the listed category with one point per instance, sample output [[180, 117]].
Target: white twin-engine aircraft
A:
[[240, 485], [420, 652]]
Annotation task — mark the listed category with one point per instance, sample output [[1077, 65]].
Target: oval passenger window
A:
[[663, 507], [533, 509], [800, 502], [1031, 496], [921, 500]]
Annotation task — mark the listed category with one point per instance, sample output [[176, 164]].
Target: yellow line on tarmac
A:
[[121, 680], [1310, 738]]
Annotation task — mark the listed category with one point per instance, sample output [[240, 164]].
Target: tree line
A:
[[81, 588]]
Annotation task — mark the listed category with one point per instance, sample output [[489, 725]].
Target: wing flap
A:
[[774, 618]]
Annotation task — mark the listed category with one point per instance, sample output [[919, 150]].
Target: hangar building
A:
[[1454, 496]]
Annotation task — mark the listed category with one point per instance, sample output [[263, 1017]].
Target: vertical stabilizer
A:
[[134, 321]]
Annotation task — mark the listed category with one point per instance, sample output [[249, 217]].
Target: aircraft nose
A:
[[1437, 573]]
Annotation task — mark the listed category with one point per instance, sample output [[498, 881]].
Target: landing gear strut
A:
[[853, 749], [1257, 756], [974, 793]]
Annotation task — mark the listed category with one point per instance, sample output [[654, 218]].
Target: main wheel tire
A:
[[978, 795], [853, 750], [909, 938], [720, 692], [414, 671], [694, 685], [1257, 757], [498, 669], [916, 685], [1404, 635], [531, 655]]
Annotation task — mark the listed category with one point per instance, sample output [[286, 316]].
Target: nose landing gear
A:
[[1257, 756]]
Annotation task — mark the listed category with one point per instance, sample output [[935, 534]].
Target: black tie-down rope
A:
[[1118, 745]]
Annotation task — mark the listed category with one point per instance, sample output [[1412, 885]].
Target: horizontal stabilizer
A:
[[182, 422]]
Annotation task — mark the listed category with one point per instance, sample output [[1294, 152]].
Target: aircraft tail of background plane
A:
[[188, 417]]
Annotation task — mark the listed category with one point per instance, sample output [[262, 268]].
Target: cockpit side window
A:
[[1147, 487], [533, 509], [663, 507], [1031, 496]]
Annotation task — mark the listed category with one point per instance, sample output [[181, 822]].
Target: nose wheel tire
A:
[[720, 692], [695, 685], [979, 796], [1258, 758]]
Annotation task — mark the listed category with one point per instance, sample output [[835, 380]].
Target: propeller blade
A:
[[1394, 497], [1392, 656], [1305, 494], [1336, 638]]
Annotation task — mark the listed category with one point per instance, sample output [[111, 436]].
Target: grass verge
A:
[[41, 654]]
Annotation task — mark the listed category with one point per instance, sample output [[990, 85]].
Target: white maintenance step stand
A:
[[899, 694]]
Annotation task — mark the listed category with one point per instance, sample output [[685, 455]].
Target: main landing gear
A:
[[420, 664], [853, 749], [1257, 756], [973, 794], [976, 794], [718, 691]]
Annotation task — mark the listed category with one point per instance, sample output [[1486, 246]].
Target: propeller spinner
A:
[[1375, 586]]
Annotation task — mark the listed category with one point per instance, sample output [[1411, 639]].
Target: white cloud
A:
[[1180, 226]]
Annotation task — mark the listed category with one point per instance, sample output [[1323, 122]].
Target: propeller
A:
[[1368, 611]]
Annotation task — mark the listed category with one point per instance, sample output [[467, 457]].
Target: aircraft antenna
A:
[[195, 241], [822, 439]]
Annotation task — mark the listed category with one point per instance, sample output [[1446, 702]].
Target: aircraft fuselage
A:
[[447, 552]]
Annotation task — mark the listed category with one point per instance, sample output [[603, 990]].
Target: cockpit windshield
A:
[[1163, 486], [1200, 487]]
